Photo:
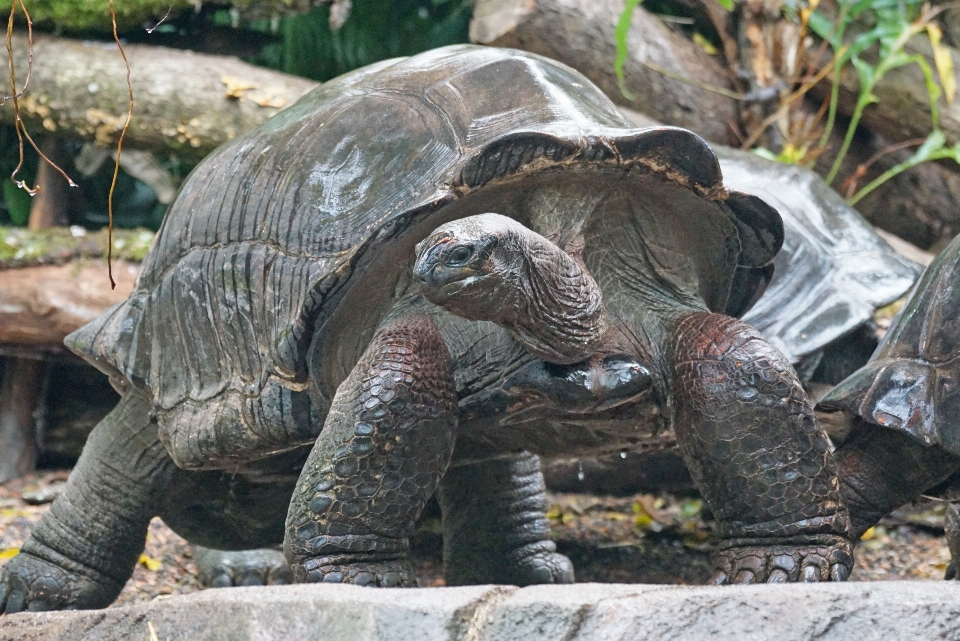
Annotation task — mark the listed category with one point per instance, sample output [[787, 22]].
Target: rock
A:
[[884, 610], [43, 495]]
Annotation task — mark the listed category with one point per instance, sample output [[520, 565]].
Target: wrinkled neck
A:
[[563, 318]]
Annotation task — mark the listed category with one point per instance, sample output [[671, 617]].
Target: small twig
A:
[[785, 104], [165, 16], [694, 83], [18, 125], [26, 82], [850, 184], [116, 164]]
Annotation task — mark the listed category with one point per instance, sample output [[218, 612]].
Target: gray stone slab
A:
[[839, 611]]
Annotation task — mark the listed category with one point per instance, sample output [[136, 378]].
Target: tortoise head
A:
[[490, 267]]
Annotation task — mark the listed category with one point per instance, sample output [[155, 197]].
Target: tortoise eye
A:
[[459, 255]]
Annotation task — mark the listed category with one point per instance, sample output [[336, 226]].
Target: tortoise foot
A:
[[828, 559], [29, 583], [543, 567], [383, 574], [224, 569], [951, 574]]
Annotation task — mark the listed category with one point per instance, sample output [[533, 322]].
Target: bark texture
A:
[[42, 304], [580, 33], [185, 102], [19, 379]]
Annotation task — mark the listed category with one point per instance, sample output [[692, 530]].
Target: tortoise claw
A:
[[811, 574], [839, 572], [745, 577], [828, 560], [778, 576]]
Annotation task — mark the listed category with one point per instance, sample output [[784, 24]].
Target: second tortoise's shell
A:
[[283, 250], [912, 381], [834, 270]]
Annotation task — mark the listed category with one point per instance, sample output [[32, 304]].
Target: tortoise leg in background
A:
[[83, 550], [495, 529], [754, 448], [881, 469], [951, 528], [385, 445], [227, 568]]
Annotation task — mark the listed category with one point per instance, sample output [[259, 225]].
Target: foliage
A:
[[376, 30], [877, 49], [873, 53], [623, 28], [91, 15]]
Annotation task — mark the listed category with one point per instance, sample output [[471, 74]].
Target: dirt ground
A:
[[639, 539]]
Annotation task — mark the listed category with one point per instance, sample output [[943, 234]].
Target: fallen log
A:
[[185, 102], [42, 304], [580, 33]]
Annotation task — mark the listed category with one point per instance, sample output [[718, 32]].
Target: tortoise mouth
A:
[[437, 289]]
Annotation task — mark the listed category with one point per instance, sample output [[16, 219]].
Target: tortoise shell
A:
[[286, 247], [912, 381], [833, 272]]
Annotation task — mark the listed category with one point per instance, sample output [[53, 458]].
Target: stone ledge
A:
[[864, 611]]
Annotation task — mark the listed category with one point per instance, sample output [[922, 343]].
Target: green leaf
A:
[[620, 34], [726, 4], [933, 89], [934, 143], [823, 27], [865, 72], [763, 152], [18, 203]]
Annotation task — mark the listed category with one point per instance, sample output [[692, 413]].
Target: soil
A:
[[639, 539]]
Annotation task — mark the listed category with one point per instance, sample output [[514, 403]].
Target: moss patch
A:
[[21, 247]]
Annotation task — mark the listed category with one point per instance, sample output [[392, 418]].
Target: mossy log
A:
[[184, 102], [580, 33], [94, 15]]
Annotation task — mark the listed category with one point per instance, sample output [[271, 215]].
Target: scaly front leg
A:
[[386, 442], [754, 448]]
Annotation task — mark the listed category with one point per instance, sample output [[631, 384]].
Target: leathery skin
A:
[[748, 433], [84, 548], [385, 445], [495, 529]]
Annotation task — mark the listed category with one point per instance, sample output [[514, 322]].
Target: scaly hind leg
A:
[[952, 531], [754, 448], [236, 524], [495, 529], [84, 548], [385, 445]]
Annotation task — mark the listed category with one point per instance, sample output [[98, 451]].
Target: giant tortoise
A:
[[897, 419], [290, 371]]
